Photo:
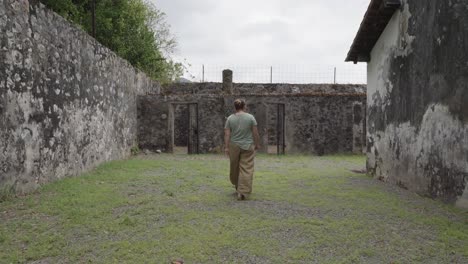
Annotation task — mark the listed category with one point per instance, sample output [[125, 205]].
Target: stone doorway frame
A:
[[193, 140], [280, 127]]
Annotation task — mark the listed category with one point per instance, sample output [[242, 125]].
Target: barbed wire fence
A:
[[297, 74]]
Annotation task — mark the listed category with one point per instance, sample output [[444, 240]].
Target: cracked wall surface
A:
[[67, 103], [418, 100], [319, 119]]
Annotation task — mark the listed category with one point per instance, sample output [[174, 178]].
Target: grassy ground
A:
[[153, 209]]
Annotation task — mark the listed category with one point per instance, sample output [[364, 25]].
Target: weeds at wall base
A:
[[135, 150], [7, 193]]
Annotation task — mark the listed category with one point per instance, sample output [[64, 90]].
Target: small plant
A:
[[7, 193], [128, 222], [135, 150], [169, 193]]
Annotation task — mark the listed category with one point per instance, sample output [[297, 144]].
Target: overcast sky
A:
[[264, 32]]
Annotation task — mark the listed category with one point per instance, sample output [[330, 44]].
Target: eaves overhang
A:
[[374, 23]]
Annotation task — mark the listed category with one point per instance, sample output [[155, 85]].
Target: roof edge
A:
[[375, 21]]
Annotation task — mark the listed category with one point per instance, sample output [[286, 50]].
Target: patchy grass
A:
[[152, 209]]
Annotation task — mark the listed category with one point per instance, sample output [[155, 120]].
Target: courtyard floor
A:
[[158, 208]]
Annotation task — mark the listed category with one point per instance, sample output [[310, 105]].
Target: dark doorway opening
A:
[[275, 129], [181, 120], [185, 129]]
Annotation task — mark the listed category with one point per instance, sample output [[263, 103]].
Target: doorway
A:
[[275, 129], [185, 128]]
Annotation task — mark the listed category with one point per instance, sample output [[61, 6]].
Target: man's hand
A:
[[256, 137], [227, 136]]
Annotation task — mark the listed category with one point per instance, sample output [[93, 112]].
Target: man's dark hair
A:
[[239, 104]]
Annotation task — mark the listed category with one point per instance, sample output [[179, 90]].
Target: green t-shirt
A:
[[241, 129]]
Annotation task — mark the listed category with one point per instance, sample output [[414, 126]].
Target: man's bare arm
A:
[[256, 137], [227, 137]]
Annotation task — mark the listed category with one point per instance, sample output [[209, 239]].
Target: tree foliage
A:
[[134, 29]]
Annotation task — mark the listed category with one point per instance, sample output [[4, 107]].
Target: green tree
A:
[[73, 10], [134, 29]]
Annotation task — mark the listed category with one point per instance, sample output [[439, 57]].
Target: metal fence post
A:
[[334, 76], [271, 74], [203, 72]]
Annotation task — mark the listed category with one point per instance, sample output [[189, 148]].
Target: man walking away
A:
[[241, 140]]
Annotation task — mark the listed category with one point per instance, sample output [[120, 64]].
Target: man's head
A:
[[239, 104]]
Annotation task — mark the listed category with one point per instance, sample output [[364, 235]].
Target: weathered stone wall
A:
[[314, 124], [154, 123], [272, 124], [157, 127], [319, 119], [66, 102], [418, 100]]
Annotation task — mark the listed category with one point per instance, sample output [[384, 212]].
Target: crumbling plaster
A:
[[418, 99]]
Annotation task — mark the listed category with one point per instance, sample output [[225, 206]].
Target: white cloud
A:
[[302, 32]]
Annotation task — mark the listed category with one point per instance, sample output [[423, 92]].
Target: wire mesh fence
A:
[[298, 74]]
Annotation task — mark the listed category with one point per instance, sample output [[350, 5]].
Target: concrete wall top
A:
[[266, 89]]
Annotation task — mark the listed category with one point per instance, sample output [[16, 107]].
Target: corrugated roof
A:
[[375, 20]]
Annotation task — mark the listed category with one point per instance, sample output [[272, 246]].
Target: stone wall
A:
[[319, 119], [418, 100], [67, 103]]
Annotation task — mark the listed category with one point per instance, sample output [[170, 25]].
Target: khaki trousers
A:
[[242, 168]]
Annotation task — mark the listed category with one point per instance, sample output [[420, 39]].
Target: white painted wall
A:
[[439, 133]]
